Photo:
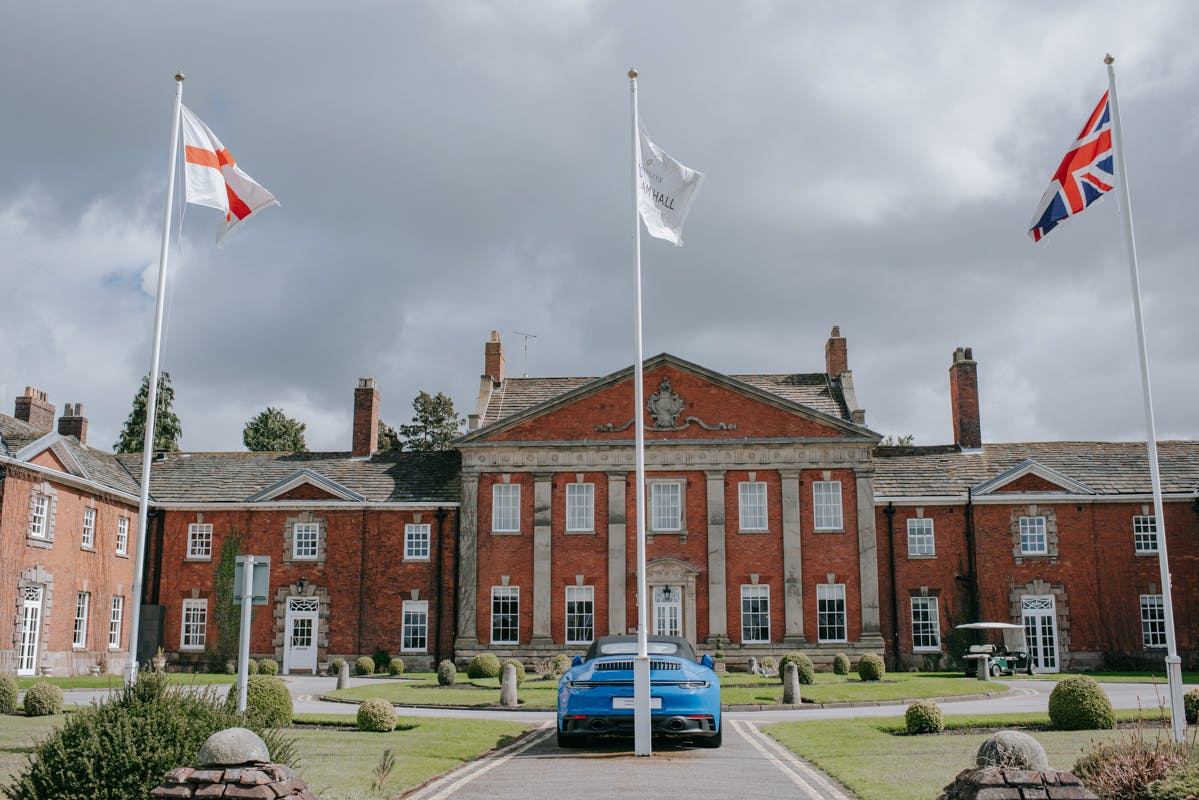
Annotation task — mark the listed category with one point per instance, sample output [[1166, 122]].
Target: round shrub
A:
[[767, 665], [520, 670], [1190, 704], [484, 665], [230, 667], [123, 746], [364, 666], [268, 703], [1077, 703], [871, 667], [8, 694], [252, 667], [841, 664], [395, 666], [376, 714], [447, 673], [335, 666], [559, 664], [924, 716], [268, 666], [43, 699], [803, 666], [381, 659]]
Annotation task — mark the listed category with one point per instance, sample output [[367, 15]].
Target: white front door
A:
[[300, 635], [1040, 631], [668, 607], [31, 626]]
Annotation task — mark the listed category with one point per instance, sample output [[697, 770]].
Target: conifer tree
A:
[[167, 428]]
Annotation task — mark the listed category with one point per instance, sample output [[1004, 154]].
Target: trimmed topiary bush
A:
[[1190, 704], [8, 694], [1077, 703], [924, 716], [484, 665], [381, 658], [840, 664], [447, 673], [803, 666], [268, 666], [335, 666], [43, 699], [252, 667], [395, 666], [268, 703], [230, 667], [123, 746], [378, 715], [559, 664], [871, 667], [364, 666], [520, 670]]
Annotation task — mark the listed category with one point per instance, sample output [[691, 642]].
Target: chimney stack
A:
[[493, 359], [963, 399], [366, 419], [32, 407], [73, 423], [836, 353]]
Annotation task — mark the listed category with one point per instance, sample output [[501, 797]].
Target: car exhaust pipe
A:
[[676, 724], [598, 724]]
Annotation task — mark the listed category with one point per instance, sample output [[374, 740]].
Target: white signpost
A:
[[251, 579]]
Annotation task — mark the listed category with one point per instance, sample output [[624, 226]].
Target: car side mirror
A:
[[707, 661], [576, 661]]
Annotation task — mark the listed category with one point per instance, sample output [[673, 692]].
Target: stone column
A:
[[792, 562], [868, 558], [468, 562], [617, 624], [717, 560], [542, 496]]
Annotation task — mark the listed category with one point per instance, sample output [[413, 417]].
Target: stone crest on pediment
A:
[[665, 406]]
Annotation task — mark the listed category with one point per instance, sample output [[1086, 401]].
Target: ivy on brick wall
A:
[[226, 614]]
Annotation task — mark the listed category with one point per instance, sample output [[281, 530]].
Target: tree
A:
[[275, 432], [907, 440], [389, 438], [167, 428], [435, 425]]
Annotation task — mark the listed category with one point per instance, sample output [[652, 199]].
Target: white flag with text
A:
[[665, 189]]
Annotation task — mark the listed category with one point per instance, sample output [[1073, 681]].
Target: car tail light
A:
[[574, 716], [699, 716], [692, 684]]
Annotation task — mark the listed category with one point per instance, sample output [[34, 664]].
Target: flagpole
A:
[[152, 395], [641, 685], [1173, 662]]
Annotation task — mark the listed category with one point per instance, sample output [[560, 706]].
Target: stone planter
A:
[[159, 663], [94, 669], [45, 671]]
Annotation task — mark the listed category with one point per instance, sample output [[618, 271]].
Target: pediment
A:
[[682, 401], [51, 451], [305, 485], [1030, 477]]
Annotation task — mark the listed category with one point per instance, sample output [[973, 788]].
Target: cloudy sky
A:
[[449, 168]]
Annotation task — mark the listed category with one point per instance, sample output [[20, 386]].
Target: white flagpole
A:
[[642, 733], [152, 396], [1173, 662]]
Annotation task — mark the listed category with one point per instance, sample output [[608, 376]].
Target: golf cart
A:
[[1002, 643]]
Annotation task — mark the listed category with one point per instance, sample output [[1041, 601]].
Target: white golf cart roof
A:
[[989, 626]]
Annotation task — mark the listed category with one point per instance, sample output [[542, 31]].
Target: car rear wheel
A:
[[571, 739]]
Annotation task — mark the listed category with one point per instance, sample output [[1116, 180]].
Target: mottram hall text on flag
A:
[[213, 178], [1085, 174], [665, 189]]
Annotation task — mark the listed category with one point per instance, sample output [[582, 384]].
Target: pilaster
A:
[[617, 543], [542, 498], [468, 562], [717, 559], [792, 561], [867, 554]]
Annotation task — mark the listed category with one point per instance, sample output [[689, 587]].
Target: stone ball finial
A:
[[231, 747], [1012, 749]]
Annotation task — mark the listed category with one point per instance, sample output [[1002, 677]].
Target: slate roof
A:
[[1108, 468], [233, 477], [101, 467]]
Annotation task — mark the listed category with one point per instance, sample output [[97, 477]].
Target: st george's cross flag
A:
[[213, 178], [1086, 173], [665, 189]]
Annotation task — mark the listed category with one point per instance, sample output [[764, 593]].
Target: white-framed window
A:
[[199, 541], [415, 636], [826, 505], [416, 541], [755, 613], [505, 508], [751, 505], [920, 537], [580, 507], [122, 535], [83, 601], [114, 622], [1033, 540], [505, 614], [580, 614], [194, 631], [926, 624], [87, 538], [39, 522], [666, 506], [1153, 620], [1144, 533], [305, 536], [830, 612]]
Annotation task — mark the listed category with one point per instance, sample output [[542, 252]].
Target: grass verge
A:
[[116, 681]]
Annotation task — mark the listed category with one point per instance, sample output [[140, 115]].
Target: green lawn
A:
[[424, 691], [1110, 677], [116, 681], [873, 760]]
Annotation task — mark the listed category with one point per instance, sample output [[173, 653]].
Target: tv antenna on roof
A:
[[524, 366]]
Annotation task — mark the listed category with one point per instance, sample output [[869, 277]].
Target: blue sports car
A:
[[595, 696]]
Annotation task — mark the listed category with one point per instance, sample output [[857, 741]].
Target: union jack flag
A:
[[1085, 174]]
